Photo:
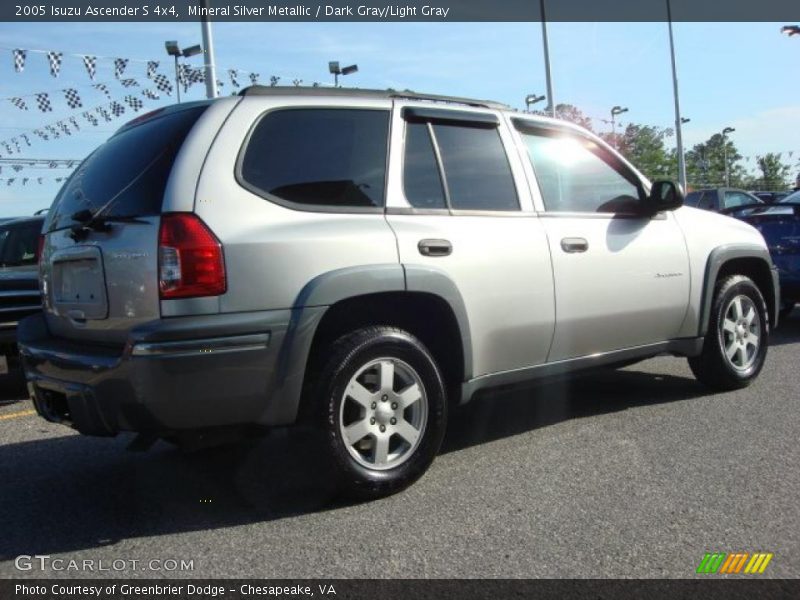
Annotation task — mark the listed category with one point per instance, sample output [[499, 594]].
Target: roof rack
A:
[[283, 90]]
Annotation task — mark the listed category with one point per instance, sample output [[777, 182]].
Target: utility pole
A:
[[551, 103], [678, 120], [208, 44]]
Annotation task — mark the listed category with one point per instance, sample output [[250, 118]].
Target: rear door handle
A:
[[573, 245], [435, 247]]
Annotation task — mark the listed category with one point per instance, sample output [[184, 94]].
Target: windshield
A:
[[126, 176], [19, 243]]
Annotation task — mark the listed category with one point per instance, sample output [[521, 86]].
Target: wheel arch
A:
[[423, 300], [743, 259]]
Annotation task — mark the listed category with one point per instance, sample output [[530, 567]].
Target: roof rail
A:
[[284, 90]]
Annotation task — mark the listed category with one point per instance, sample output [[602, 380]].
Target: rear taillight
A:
[[40, 248], [190, 260]]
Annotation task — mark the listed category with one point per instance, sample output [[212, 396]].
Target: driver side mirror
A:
[[664, 195]]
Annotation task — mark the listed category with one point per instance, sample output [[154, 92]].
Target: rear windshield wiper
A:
[[87, 222]]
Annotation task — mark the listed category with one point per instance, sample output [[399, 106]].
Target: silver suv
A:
[[363, 261]]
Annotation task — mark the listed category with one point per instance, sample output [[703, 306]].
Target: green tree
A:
[[645, 147], [774, 173], [573, 114], [705, 163]]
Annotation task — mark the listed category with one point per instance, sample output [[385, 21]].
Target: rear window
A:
[[330, 158], [127, 175]]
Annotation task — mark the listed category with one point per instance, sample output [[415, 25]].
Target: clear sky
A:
[[742, 75]]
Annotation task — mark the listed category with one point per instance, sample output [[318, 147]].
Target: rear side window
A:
[[477, 175], [332, 158], [127, 175]]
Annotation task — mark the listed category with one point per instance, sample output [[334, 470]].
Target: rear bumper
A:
[[173, 374]]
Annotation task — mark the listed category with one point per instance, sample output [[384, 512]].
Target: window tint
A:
[[327, 157], [574, 178], [19, 243], [476, 168], [421, 180], [131, 168]]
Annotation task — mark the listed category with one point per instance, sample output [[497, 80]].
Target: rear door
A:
[[98, 281], [457, 209]]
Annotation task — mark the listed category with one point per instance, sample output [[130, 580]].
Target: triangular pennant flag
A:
[[152, 94], [43, 101], [120, 64], [253, 78], [162, 83], [116, 108], [19, 60], [102, 87], [134, 102], [232, 73], [54, 59], [24, 136], [273, 80], [90, 62], [73, 99], [152, 65], [74, 122], [19, 103], [129, 83]]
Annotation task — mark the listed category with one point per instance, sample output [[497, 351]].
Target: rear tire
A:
[[738, 336], [382, 408]]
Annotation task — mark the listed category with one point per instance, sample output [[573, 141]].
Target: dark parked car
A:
[[720, 199], [19, 283], [780, 225]]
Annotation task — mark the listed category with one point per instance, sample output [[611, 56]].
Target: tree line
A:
[[646, 147]]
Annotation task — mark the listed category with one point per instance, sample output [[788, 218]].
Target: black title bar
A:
[[411, 10]]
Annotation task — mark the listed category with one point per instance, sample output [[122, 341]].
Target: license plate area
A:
[[79, 287]]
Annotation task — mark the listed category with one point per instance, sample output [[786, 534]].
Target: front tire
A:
[[383, 410], [736, 343]]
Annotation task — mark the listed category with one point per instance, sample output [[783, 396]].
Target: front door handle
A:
[[573, 245], [435, 247]]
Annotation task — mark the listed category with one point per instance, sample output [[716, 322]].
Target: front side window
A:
[[575, 176], [319, 157]]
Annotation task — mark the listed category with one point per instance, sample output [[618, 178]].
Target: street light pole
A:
[[678, 120], [551, 105], [177, 82], [725, 132], [532, 99], [616, 110], [208, 44]]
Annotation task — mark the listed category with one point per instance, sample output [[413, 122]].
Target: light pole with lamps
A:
[[551, 105], [791, 30], [725, 133], [617, 110], [175, 51], [335, 70], [532, 99], [678, 120]]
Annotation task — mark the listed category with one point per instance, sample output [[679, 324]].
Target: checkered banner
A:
[[134, 102], [53, 131], [90, 117], [120, 64], [253, 78], [41, 134], [152, 94], [232, 73], [19, 60], [129, 83], [152, 65], [43, 101], [19, 103], [54, 60], [64, 127], [90, 62], [72, 97], [74, 122]]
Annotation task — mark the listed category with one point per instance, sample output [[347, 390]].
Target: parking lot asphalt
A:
[[631, 473]]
